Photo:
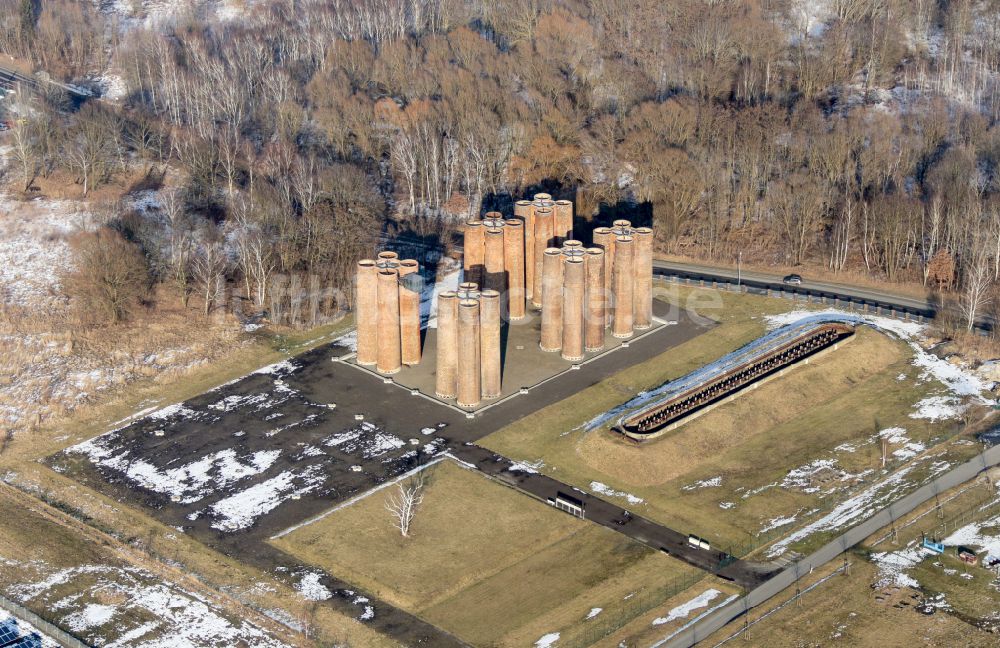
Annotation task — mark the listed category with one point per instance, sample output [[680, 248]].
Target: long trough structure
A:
[[677, 407]]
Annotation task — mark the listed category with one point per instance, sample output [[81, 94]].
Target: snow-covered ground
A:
[[34, 249], [43, 370], [982, 536], [607, 491], [282, 447], [976, 535], [861, 505], [129, 606], [683, 610]]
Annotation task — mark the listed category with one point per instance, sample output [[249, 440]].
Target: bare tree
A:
[[110, 274], [208, 268], [24, 146], [977, 278], [180, 243], [88, 149], [254, 253], [403, 504]]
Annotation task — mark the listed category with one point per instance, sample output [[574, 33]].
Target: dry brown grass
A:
[[843, 612], [737, 422], [750, 443], [487, 563]]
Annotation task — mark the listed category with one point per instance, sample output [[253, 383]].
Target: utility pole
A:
[[739, 271]]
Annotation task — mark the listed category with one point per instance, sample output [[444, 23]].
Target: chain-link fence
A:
[[613, 618]]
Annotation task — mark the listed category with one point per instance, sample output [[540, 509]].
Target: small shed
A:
[[967, 555]]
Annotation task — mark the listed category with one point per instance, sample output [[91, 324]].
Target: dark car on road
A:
[[792, 279]]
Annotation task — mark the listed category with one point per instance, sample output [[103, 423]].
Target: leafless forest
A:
[[843, 135]]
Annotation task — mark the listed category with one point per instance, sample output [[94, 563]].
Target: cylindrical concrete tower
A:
[[411, 285], [388, 255], [552, 284], [564, 220], [389, 359], [447, 345], [494, 278], [624, 285], [643, 290], [541, 196], [574, 271], [572, 243], [525, 211], [604, 239], [543, 240], [474, 251], [621, 223], [467, 286], [469, 388], [513, 263], [594, 317], [366, 312], [489, 346]]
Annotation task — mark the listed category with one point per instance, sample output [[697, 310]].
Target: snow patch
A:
[[607, 491], [240, 510], [712, 482], [311, 589], [683, 610]]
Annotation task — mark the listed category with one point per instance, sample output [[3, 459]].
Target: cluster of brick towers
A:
[[387, 308], [530, 260]]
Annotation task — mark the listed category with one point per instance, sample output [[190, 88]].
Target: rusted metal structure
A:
[[596, 300], [514, 265], [489, 346], [366, 311], [551, 291], [469, 383], [664, 415], [574, 281], [624, 282], [389, 356], [411, 284]]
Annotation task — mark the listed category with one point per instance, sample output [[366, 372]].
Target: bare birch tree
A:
[[208, 267], [976, 284], [403, 504]]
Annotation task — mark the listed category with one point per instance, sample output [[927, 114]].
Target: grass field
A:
[[723, 475], [970, 592], [859, 609], [76, 579], [843, 611], [484, 562], [31, 538]]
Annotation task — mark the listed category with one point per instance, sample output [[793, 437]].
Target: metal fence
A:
[[55, 633], [614, 618]]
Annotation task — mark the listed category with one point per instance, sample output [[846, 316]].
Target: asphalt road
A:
[[714, 621], [614, 517], [859, 296]]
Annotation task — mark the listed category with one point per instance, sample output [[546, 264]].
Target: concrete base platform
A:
[[524, 365]]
